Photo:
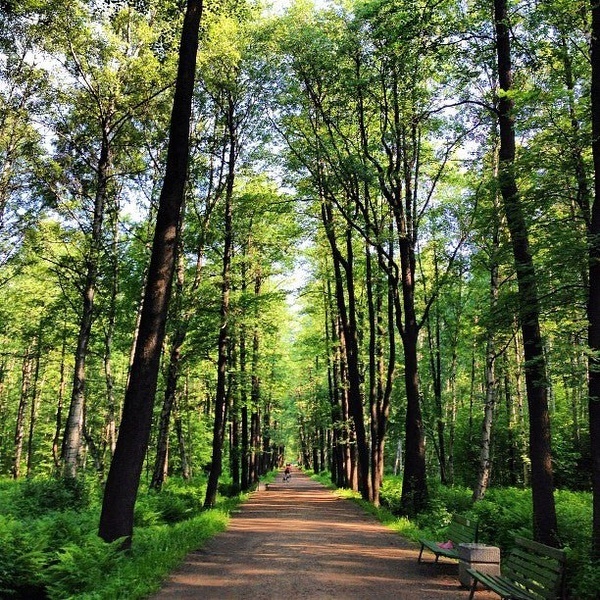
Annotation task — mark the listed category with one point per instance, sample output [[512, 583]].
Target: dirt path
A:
[[298, 540]]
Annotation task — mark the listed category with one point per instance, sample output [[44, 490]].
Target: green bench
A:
[[532, 571], [460, 531]]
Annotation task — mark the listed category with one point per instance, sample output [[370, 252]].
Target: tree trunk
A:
[[333, 367], [491, 385], [435, 359], [414, 481], [234, 451], [491, 392], [245, 450], [255, 389], [5, 367], [62, 384], [594, 279], [116, 520], [181, 317], [110, 433], [73, 436], [36, 393], [255, 445], [223, 342], [186, 469], [162, 442], [398, 461], [544, 511], [347, 315], [380, 374], [26, 370]]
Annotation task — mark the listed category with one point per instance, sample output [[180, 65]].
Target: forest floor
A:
[[298, 540]]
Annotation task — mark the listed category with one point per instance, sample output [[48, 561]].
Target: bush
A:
[[586, 584], [174, 503], [391, 492], [37, 497], [55, 553], [507, 512], [82, 567], [22, 560], [229, 489]]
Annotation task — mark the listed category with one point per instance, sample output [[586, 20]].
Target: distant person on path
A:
[[287, 474]]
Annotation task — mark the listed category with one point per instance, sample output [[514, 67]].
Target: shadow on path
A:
[[298, 540]]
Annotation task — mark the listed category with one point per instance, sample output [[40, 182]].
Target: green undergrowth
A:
[[502, 514], [51, 550]]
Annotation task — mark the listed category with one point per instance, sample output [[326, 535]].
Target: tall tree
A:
[[224, 327], [594, 283], [93, 125], [116, 519], [227, 81], [544, 511]]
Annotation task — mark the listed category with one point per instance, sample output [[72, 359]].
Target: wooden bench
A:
[[460, 531], [532, 571]]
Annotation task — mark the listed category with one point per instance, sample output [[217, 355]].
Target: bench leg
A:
[[421, 553], [473, 586]]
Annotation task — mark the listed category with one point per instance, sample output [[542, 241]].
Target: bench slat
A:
[[555, 553], [542, 563], [499, 584], [540, 588], [520, 566]]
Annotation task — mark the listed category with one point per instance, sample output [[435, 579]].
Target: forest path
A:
[[298, 540]]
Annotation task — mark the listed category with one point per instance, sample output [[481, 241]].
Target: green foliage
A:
[[574, 514], [503, 514], [22, 559], [82, 566], [391, 493], [174, 503], [94, 569], [54, 551], [40, 496], [586, 581]]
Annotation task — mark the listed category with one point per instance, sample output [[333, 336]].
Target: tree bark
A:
[[5, 367], [255, 384], [544, 511], [335, 393], [73, 436], [491, 393], [162, 443], [347, 315], [62, 384], [594, 283], [26, 370], [110, 429], [36, 393], [380, 374], [116, 520], [186, 468], [181, 316], [491, 384], [223, 341], [435, 360]]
